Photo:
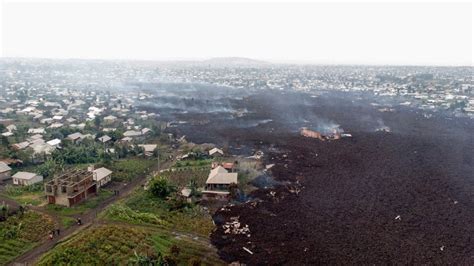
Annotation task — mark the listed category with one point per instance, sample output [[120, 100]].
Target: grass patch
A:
[[181, 178], [143, 208], [67, 221], [193, 163], [33, 194], [127, 170]]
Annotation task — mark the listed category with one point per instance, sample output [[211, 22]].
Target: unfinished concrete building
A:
[[70, 188]]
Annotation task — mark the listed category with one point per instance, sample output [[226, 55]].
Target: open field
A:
[[123, 243], [126, 170], [26, 195], [143, 209], [182, 177]]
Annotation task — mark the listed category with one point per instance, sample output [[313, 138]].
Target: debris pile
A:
[[234, 227], [336, 134]]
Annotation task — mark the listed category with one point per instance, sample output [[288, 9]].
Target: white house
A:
[[36, 131], [216, 152], [105, 139], [132, 133], [54, 142], [26, 178], [7, 134], [102, 176], [11, 128], [5, 171]]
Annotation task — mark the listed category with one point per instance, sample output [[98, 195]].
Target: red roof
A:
[[228, 165]]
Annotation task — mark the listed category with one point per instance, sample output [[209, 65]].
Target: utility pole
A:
[[158, 158]]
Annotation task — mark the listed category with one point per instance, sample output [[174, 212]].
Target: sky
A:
[[401, 33]]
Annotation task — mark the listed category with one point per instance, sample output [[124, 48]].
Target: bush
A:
[[161, 188]]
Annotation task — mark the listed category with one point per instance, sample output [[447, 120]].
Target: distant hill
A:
[[234, 61]]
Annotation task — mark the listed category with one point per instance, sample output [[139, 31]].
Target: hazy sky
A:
[[337, 33]]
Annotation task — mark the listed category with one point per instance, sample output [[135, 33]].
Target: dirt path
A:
[[89, 218], [9, 202]]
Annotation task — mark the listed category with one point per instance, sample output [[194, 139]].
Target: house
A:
[[102, 176], [36, 131], [11, 128], [75, 137], [35, 139], [71, 187], [7, 134], [110, 119], [132, 133], [5, 171], [218, 182], [146, 131], [126, 139], [215, 152], [71, 120], [26, 178], [230, 167], [42, 149], [20, 146], [54, 143], [105, 139], [149, 148], [56, 125], [185, 193], [46, 121]]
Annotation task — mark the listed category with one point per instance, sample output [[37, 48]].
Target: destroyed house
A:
[[70, 188]]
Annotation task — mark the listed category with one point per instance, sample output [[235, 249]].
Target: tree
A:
[[156, 152], [97, 122], [161, 188], [4, 141], [48, 168], [193, 185]]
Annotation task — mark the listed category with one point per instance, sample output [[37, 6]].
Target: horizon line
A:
[[262, 61]]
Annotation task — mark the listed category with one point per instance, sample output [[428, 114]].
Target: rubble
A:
[[234, 227]]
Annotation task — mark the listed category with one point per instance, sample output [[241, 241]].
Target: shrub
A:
[[161, 188]]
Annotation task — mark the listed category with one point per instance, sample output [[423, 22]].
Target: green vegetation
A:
[[20, 232], [161, 188], [182, 178], [67, 221], [124, 244], [126, 170], [97, 246], [194, 163], [87, 152], [26, 194], [145, 209]]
